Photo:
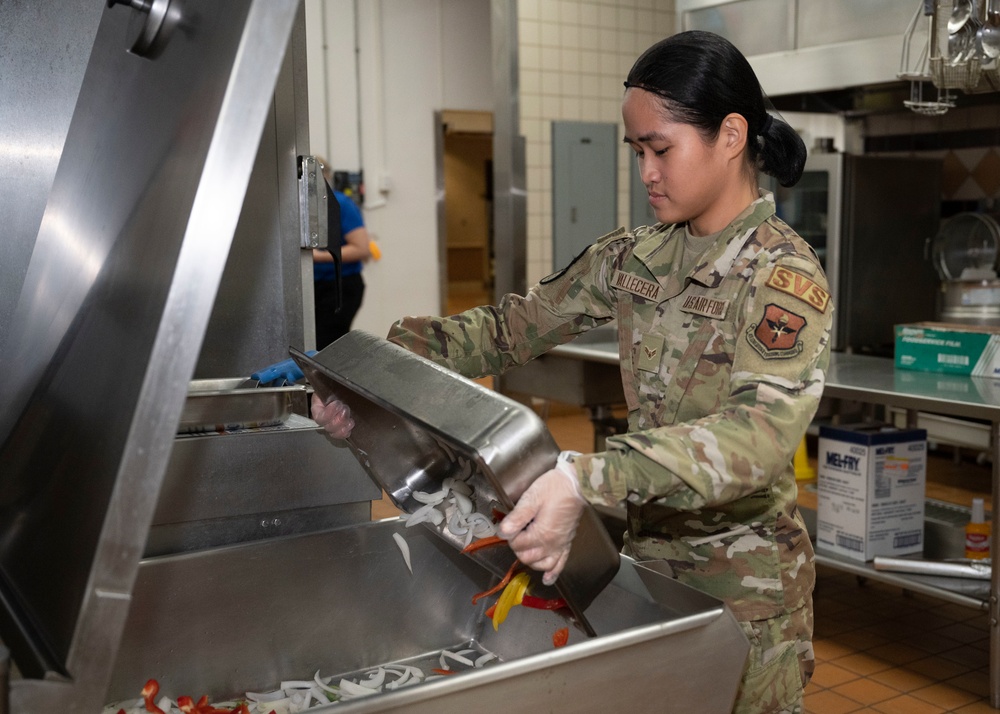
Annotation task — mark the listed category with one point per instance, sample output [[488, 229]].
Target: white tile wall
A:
[[574, 56]]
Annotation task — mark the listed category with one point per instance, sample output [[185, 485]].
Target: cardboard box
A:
[[949, 348], [871, 490]]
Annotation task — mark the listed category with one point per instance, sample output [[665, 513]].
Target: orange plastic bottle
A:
[[977, 533]]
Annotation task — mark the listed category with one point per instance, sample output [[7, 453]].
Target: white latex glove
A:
[[334, 416], [541, 527]]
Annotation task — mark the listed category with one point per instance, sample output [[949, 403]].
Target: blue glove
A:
[[286, 371]]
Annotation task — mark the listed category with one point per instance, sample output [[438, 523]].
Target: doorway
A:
[[468, 208]]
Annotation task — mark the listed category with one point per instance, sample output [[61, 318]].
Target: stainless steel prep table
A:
[[871, 380]]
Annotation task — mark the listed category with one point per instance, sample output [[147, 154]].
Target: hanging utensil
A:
[[989, 33], [960, 14]]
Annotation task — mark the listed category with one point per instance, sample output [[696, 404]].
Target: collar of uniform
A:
[[719, 259], [657, 248]]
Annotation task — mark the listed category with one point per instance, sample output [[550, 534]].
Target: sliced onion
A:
[[458, 486], [488, 657], [462, 503], [323, 685], [424, 513], [374, 679], [457, 524], [354, 690], [457, 657], [481, 525], [404, 548], [433, 498]]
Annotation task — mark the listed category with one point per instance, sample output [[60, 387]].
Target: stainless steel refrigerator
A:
[[871, 220]]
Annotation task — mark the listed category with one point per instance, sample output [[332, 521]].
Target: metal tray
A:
[[221, 405], [418, 423]]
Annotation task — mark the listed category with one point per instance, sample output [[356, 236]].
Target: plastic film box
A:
[[948, 348], [871, 490]]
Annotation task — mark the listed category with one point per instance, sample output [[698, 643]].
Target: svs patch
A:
[[776, 335]]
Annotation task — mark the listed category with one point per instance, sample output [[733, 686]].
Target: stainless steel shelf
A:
[[968, 593]]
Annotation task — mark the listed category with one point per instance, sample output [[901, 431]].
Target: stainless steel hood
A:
[[110, 320], [801, 46]]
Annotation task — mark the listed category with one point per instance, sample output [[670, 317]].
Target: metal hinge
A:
[[312, 204]]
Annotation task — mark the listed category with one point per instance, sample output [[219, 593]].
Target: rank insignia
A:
[[776, 336]]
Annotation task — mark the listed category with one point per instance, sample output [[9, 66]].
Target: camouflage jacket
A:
[[723, 369]]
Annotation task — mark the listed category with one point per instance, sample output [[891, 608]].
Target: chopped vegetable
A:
[[484, 543], [455, 656], [560, 637], [499, 586], [404, 549], [538, 603], [148, 694], [511, 596], [488, 657], [443, 671]]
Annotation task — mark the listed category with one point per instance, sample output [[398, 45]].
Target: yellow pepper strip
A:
[[511, 596]]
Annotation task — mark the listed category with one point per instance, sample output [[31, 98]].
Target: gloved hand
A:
[[284, 372], [542, 525], [334, 416]]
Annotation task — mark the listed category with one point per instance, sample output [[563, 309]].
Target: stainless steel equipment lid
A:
[[418, 423]]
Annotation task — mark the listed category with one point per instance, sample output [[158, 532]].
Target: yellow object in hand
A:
[[374, 250]]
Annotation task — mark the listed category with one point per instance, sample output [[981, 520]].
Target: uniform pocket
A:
[[772, 681]]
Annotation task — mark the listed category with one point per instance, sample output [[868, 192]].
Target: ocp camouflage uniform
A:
[[723, 369]]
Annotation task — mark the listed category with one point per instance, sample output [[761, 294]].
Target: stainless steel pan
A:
[[418, 423]]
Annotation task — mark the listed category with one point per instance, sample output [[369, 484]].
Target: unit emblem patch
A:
[[776, 335]]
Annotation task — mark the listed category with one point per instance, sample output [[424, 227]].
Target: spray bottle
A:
[[977, 533]]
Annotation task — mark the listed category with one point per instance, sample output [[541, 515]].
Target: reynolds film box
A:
[[948, 348], [871, 483]]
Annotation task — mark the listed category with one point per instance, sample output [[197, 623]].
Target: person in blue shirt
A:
[[355, 249]]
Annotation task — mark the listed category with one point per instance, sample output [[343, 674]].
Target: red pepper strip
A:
[[499, 586], [187, 705], [148, 694], [560, 637], [540, 603], [444, 671], [498, 515], [491, 610], [483, 543]]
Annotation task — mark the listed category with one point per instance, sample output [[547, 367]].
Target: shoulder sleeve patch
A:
[[801, 287]]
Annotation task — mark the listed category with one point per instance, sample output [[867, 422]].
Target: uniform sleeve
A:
[[777, 378], [490, 340]]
